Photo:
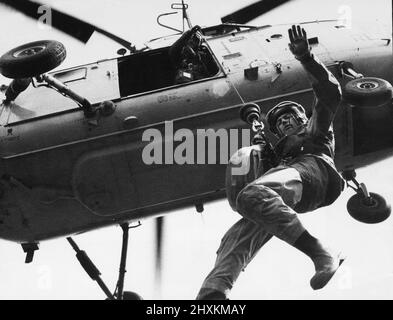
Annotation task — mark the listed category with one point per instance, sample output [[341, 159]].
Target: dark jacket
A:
[[311, 150]]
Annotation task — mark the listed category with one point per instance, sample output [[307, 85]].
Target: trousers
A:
[[266, 205]]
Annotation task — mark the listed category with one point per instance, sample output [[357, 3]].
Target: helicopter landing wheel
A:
[[368, 91], [372, 209], [364, 206], [129, 295], [32, 59]]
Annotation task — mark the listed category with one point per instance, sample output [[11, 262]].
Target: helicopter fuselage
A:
[[64, 173]]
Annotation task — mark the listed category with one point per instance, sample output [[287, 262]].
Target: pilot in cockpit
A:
[[188, 55]]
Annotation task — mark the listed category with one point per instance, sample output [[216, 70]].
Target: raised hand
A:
[[298, 43]]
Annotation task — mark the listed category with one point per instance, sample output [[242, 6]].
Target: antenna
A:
[[177, 6], [183, 7], [185, 15]]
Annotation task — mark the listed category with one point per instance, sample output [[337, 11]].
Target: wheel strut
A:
[[364, 206], [360, 188], [123, 261], [90, 268], [95, 274]]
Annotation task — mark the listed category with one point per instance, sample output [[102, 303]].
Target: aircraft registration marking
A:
[[10, 138], [168, 98]]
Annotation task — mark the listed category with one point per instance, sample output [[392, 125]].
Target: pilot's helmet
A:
[[285, 107]]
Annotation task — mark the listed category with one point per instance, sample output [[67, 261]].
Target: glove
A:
[[299, 44]]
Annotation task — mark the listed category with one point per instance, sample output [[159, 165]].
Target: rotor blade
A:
[[159, 241], [252, 11], [68, 24]]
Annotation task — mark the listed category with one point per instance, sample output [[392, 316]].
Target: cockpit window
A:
[[158, 69]]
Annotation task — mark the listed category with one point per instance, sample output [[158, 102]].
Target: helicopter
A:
[[74, 131]]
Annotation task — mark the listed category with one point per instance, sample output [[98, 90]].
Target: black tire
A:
[[375, 212], [32, 59], [368, 92], [129, 295]]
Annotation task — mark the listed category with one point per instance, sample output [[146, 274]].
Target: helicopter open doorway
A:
[[183, 62]]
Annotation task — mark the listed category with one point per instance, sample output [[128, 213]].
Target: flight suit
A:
[[305, 179]]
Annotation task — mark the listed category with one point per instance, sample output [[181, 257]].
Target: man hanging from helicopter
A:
[[302, 178]]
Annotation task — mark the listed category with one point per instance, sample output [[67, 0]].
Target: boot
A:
[[326, 265], [325, 261]]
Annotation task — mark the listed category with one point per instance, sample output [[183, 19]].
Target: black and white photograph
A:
[[196, 150]]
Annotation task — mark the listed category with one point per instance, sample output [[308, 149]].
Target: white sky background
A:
[[191, 239]]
